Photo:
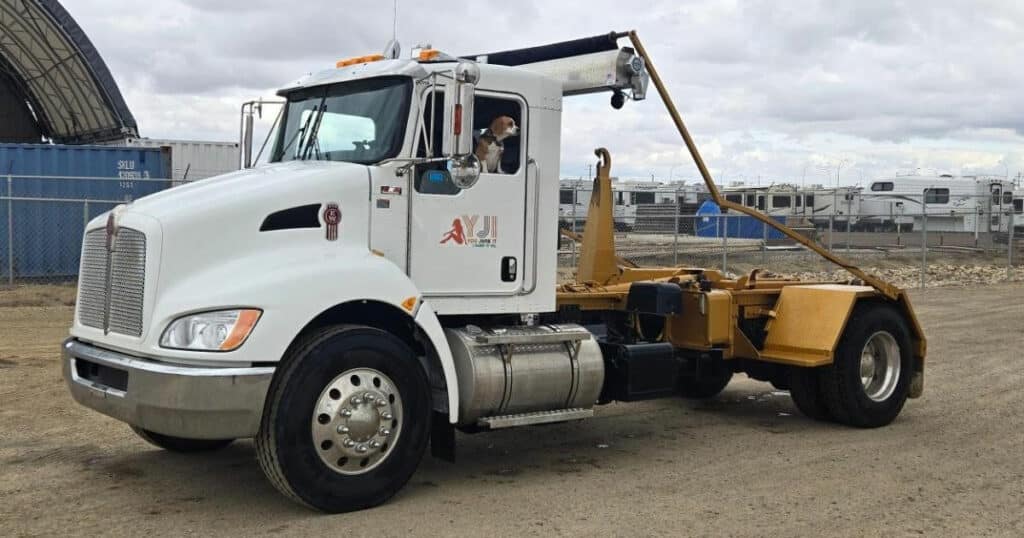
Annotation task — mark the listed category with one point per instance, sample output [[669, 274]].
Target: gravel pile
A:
[[938, 275]]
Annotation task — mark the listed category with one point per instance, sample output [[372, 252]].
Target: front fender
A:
[[293, 288]]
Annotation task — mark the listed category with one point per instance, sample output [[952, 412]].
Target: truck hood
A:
[[258, 191]]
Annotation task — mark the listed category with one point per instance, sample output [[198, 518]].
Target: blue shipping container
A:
[[48, 193], [711, 223]]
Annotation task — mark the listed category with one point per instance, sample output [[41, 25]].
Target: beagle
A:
[[490, 146]]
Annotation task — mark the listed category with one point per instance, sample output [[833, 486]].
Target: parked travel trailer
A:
[[816, 203], [952, 204], [628, 196]]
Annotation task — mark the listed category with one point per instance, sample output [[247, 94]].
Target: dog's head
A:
[[503, 127]]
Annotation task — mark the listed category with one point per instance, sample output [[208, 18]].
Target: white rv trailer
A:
[[815, 203], [574, 197], [973, 204]]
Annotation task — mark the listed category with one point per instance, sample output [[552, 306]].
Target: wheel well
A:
[[392, 320]]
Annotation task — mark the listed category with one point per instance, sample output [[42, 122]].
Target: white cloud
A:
[[769, 89]]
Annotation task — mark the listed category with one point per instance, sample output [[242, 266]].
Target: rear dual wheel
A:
[[868, 382]]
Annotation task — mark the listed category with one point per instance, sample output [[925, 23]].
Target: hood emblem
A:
[[111, 231], [332, 217]]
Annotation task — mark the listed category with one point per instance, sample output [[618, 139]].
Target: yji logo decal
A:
[[332, 216], [473, 231]]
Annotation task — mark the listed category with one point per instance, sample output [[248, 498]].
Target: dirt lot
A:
[[743, 464]]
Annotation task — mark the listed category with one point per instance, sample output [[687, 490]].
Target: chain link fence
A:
[[922, 240], [43, 219]]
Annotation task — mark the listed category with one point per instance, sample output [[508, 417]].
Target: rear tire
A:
[[707, 385], [180, 444], [346, 421], [805, 389], [869, 380]]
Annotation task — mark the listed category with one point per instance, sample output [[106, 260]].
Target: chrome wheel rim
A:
[[357, 421], [880, 366]]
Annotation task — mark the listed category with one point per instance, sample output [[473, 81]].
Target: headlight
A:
[[224, 330]]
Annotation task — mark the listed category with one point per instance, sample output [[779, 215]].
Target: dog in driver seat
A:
[[490, 144]]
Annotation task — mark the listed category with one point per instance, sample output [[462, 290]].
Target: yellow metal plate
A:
[[808, 321]]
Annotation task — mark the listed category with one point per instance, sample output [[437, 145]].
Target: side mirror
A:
[[464, 170], [458, 111]]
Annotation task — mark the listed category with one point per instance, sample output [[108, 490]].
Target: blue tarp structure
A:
[[712, 223]]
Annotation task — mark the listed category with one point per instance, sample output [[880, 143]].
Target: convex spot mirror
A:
[[464, 170]]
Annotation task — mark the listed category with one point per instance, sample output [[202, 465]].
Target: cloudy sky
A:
[[773, 91]]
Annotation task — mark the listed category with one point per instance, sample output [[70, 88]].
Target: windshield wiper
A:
[[298, 134], [311, 141]]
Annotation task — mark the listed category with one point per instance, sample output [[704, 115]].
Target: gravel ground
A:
[[744, 464]]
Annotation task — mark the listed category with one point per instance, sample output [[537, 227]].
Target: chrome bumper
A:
[[182, 401]]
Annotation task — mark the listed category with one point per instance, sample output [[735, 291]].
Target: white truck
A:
[[371, 289]]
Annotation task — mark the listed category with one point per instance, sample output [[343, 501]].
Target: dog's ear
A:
[[497, 125]]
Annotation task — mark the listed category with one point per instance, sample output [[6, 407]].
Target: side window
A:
[[565, 196], [781, 201], [760, 203], [936, 196], [734, 198], [1018, 205], [620, 199], [750, 200], [430, 177], [810, 200], [497, 134], [643, 198], [884, 186], [799, 200]]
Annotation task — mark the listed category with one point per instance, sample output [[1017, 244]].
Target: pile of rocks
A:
[[937, 275]]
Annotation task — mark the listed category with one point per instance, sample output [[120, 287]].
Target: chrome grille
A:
[[92, 280], [114, 303]]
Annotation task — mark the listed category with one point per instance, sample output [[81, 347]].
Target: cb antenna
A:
[[393, 50]]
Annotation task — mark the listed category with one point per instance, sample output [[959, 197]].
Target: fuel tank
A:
[[511, 370]]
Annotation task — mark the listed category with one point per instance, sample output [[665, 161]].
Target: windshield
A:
[[361, 122]]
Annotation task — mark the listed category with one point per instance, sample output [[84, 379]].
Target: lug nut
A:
[[381, 402], [342, 429], [385, 432], [385, 415], [356, 400], [349, 443], [369, 398], [361, 449], [346, 412], [374, 444]]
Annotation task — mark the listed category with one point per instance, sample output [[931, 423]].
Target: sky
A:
[[797, 91]]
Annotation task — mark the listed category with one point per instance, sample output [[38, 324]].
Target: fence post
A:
[[575, 198], [764, 244], [1009, 249], [831, 227], [849, 217], [85, 215], [725, 245], [924, 238], [10, 230], [675, 233]]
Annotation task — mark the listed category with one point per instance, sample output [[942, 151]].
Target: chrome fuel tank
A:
[[510, 370]]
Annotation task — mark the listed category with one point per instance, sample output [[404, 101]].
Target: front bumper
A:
[[181, 401]]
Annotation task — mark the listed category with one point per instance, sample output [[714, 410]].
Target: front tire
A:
[[180, 444], [347, 419], [868, 382]]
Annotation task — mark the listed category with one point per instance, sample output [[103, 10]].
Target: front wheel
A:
[[868, 382], [346, 421], [180, 444]]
